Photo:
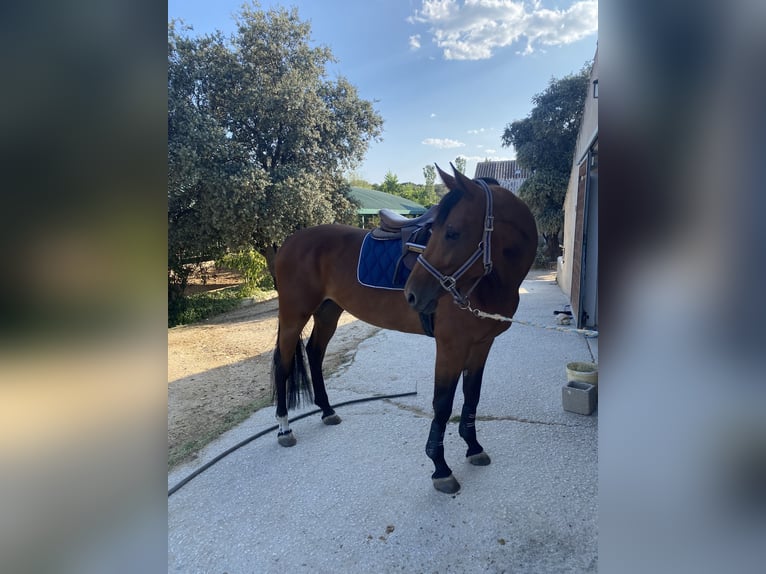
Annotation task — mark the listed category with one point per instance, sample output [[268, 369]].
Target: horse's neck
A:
[[498, 292]]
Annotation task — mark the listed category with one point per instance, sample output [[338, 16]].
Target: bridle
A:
[[449, 282]]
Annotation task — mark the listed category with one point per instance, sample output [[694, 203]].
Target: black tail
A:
[[298, 377]]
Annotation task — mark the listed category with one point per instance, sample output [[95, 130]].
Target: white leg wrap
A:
[[284, 426]]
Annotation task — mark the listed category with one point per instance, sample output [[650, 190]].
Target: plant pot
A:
[[577, 397], [582, 373]]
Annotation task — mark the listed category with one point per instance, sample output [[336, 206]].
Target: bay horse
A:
[[483, 242]]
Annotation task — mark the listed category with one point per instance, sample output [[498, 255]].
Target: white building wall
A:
[[588, 132]]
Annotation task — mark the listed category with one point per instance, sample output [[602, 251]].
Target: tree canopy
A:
[[391, 184], [258, 136], [460, 162], [544, 143], [425, 195], [429, 174]]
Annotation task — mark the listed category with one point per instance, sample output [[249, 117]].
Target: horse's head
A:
[[456, 235], [466, 245]]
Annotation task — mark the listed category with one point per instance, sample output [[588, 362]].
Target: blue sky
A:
[[446, 75]]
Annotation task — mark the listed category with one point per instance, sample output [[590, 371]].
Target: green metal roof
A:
[[372, 201]]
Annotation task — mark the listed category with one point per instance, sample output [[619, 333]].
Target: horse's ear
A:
[[448, 180], [466, 183]]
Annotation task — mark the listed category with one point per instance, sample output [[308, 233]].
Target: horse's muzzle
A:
[[423, 301]]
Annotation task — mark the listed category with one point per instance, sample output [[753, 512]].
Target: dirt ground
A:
[[219, 369]]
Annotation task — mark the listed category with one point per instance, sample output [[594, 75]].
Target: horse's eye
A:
[[452, 234]]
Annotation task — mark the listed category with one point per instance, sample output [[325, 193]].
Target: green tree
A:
[[424, 195], [429, 174], [460, 163], [354, 179], [213, 190], [391, 184], [544, 143], [408, 191], [258, 137]]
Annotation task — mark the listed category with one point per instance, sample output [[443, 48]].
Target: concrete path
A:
[[358, 497]]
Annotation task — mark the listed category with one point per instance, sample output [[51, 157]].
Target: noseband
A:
[[449, 282]]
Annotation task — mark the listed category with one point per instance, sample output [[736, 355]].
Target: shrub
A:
[[252, 266], [542, 260], [203, 305]]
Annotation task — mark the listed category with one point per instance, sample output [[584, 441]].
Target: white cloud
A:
[[435, 10], [415, 42], [490, 150], [487, 157], [433, 115], [474, 29], [442, 143], [479, 131]]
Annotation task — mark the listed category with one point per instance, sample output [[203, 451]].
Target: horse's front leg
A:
[[445, 383], [444, 395], [472, 376]]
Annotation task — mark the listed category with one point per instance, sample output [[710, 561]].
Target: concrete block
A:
[[578, 397]]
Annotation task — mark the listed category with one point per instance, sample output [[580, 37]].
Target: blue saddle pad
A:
[[378, 260]]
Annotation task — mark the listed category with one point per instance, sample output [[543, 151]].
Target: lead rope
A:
[[497, 317]]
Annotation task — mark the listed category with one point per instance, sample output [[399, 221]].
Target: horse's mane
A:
[[446, 205], [449, 201]]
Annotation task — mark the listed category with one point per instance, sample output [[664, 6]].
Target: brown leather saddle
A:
[[413, 232]]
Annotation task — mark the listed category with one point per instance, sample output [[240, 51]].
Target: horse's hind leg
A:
[[325, 322], [472, 376], [289, 376]]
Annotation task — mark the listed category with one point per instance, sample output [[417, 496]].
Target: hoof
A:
[[286, 439], [448, 484], [479, 459], [332, 419]]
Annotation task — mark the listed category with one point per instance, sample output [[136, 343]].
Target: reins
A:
[[449, 282]]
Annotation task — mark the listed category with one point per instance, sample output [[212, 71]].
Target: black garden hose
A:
[[227, 452]]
